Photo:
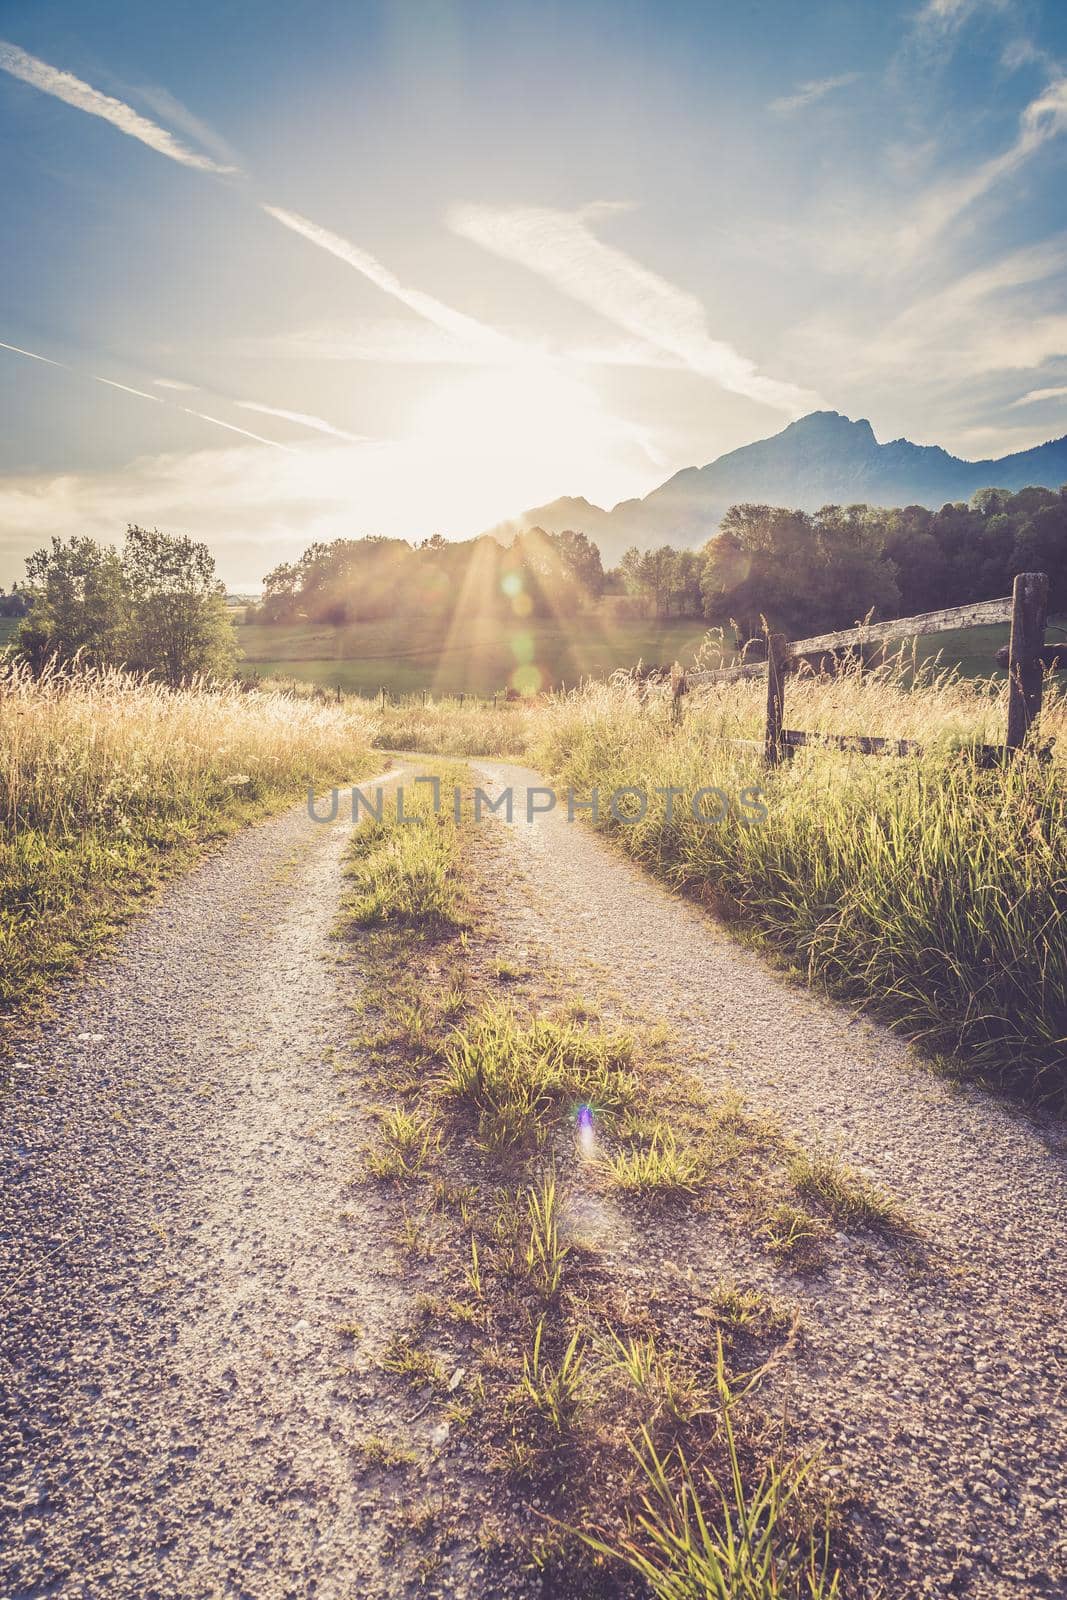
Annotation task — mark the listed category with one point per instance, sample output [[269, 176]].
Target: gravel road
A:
[[941, 1392], [181, 1241]]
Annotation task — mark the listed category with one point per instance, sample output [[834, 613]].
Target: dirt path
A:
[[181, 1241], [941, 1391]]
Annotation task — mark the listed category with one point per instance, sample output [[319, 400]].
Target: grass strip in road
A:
[[622, 1428]]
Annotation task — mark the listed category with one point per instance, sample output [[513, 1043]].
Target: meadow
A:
[[107, 781], [485, 655]]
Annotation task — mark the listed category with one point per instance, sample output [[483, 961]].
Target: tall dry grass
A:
[[104, 776], [925, 887], [451, 726]]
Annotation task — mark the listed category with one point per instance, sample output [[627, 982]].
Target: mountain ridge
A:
[[823, 458]]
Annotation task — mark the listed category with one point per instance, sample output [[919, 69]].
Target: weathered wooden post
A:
[[679, 687], [777, 664], [1029, 609]]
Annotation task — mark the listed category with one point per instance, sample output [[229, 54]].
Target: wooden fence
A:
[[1026, 608]]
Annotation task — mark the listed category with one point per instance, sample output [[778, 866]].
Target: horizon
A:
[[573, 253]]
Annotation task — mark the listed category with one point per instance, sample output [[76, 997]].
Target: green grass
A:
[[406, 875], [697, 1538], [519, 1080], [481, 656], [850, 1200], [661, 1167]]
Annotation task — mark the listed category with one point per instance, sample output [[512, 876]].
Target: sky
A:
[[277, 273]]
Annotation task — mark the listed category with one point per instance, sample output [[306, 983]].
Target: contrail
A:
[[233, 428], [155, 398], [424, 305], [65, 86], [305, 419]]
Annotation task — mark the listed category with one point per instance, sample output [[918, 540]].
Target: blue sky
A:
[[412, 267]]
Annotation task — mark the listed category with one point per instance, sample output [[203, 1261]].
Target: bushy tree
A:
[[157, 607], [178, 624], [79, 605]]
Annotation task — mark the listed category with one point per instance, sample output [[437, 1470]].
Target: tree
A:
[[178, 626], [157, 608], [79, 605]]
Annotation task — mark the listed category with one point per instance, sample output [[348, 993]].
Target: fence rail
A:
[[1026, 608]]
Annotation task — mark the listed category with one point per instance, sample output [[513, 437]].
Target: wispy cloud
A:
[[806, 94], [1059, 392], [1043, 119], [938, 21], [305, 420], [174, 383], [1002, 317], [74, 92], [560, 246], [424, 305]]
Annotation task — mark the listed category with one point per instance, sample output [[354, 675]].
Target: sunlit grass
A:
[[105, 776], [697, 1538], [519, 1079], [924, 885]]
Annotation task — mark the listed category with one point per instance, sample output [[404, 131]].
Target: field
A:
[[479, 656], [485, 655]]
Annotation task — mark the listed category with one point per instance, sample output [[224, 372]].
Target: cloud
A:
[[1002, 317], [940, 20], [232, 427], [560, 247], [424, 305], [1043, 119], [806, 94], [305, 420], [395, 341], [64, 86], [174, 383], [1057, 393]]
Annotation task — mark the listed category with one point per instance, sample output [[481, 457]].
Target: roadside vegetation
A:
[[624, 1430], [924, 888], [108, 779]]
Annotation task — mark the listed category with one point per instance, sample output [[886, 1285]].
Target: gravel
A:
[[938, 1390], [180, 1241]]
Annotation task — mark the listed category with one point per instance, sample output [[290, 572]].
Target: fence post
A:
[[777, 662], [1029, 609]]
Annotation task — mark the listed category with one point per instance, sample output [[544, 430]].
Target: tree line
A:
[[361, 580], [156, 605]]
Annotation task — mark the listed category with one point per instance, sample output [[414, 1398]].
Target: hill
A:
[[822, 459]]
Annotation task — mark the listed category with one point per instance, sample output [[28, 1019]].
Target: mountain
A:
[[823, 459]]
